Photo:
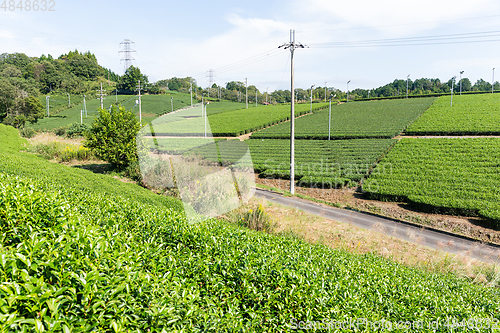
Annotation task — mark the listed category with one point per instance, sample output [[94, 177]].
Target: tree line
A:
[[24, 80], [236, 90]]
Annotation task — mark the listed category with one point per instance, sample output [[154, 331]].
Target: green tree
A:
[[496, 86], [112, 136], [481, 85], [235, 85], [32, 109], [466, 84], [84, 67], [11, 71], [7, 97], [129, 80]]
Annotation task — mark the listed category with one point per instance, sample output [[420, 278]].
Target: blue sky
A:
[[240, 40]]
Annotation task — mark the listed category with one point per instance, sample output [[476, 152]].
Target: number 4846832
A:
[[28, 5]]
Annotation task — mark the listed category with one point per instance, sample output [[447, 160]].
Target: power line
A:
[[400, 25], [474, 37], [414, 44], [248, 61], [245, 62], [232, 55]]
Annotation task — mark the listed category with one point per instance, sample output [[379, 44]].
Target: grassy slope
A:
[[106, 262], [152, 107], [470, 115], [25, 164], [72, 115]]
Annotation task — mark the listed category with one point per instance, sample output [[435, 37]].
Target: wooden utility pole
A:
[[292, 46]]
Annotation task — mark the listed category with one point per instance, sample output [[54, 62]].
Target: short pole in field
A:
[[206, 119], [452, 80], [461, 72], [191, 90], [329, 118], [202, 107], [493, 81], [47, 103], [139, 95], [407, 78], [85, 106], [312, 98], [347, 100]]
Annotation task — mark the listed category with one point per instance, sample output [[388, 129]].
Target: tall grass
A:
[[62, 152]]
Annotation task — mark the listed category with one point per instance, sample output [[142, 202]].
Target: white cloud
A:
[[7, 34], [480, 67], [399, 17], [233, 54]]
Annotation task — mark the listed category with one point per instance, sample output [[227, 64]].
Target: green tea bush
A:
[[25, 210], [60, 131], [114, 265], [75, 130], [27, 132], [356, 120], [103, 256], [469, 115], [441, 175]]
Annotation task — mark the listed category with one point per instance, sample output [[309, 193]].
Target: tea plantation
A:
[[469, 115], [233, 122], [372, 119], [458, 176], [82, 252]]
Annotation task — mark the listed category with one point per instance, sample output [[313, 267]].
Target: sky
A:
[[240, 40]]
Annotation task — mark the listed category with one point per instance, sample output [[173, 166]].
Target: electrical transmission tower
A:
[[101, 94], [210, 75], [127, 51]]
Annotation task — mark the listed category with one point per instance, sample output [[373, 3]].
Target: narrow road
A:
[[434, 239], [399, 137]]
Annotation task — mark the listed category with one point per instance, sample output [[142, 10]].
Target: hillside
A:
[[23, 77], [86, 252]]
